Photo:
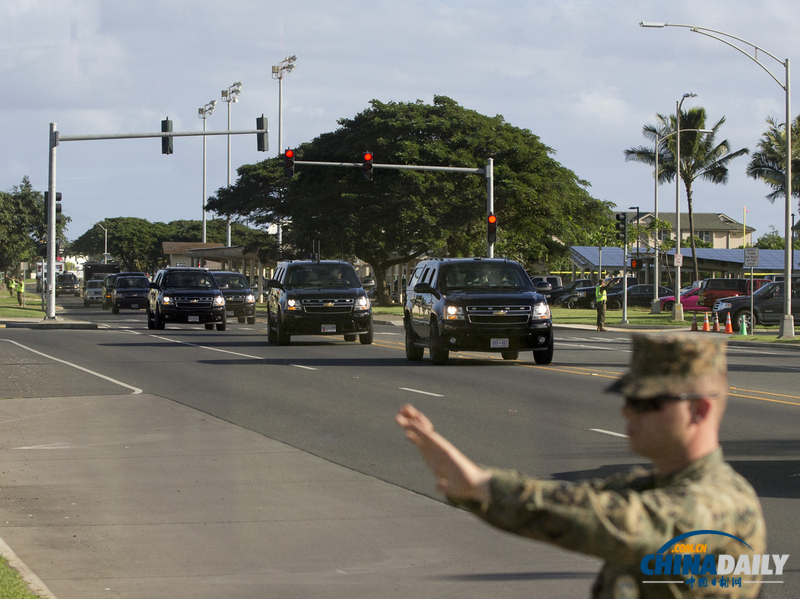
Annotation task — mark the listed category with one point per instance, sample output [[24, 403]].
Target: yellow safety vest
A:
[[600, 294]]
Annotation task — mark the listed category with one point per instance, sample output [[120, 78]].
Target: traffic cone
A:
[[729, 325], [742, 326], [715, 328], [706, 326], [694, 321]]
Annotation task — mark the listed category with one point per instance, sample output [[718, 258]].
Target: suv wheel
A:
[[158, 323], [272, 336], [366, 338], [221, 326], [439, 354], [209, 326], [545, 357], [350, 337], [614, 304], [281, 336], [510, 355], [413, 352], [241, 319], [592, 305], [114, 309], [251, 320]]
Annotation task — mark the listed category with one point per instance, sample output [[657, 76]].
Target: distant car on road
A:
[[93, 293], [67, 284], [185, 295], [688, 301]]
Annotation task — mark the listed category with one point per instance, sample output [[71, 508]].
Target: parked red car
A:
[[688, 301]]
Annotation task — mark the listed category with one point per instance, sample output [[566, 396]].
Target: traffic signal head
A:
[[367, 166], [262, 140], [622, 227], [288, 163], [166, 142], [491, 228], [58, 206], [636, 263]]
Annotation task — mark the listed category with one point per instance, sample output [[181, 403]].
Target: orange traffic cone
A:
[[706, 326], [715, 328], [729, 325], [694, 321]]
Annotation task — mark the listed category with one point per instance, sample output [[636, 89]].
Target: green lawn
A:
[[9, 308], [11, 584]]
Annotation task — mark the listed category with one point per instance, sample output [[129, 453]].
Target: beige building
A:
[[717, 228]]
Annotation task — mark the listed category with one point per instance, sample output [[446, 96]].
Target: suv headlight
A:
[[722, 306], [362, 303], [453, 313], [293, 305], [219, 300], [166, 300], [250, 298], [541, 311]]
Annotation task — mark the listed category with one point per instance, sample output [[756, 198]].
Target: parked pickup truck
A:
[[713, 289]]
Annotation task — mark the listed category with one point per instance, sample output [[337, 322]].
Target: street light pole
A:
[[787, 324], [230, 95], [204, 113], [279, 71], [105, 244]]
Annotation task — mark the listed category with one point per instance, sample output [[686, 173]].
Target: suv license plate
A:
[[328, 328], [134, 306], [229, 312], [499, 343], [194, 319]]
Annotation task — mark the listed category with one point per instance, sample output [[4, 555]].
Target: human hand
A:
[[456, 475]]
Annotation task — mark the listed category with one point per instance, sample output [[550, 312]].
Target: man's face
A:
[[657, 433]]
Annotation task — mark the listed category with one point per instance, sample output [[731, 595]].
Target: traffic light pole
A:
[[488, 172], [55, 139]]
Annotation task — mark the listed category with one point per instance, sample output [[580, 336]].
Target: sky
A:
[[580, 74]]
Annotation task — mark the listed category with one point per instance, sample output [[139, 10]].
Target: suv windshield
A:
[[94, 284], [482, 276], [66, 278], [128, 282], [189, 280], [231, 281], [322, 275]]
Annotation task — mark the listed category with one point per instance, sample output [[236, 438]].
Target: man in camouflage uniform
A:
[[675, 395]]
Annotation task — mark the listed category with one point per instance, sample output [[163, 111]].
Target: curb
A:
[[35, 323]]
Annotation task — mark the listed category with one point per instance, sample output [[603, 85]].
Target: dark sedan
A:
[[638, 295]]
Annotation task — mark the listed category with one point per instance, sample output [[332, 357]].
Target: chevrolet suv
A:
[[317, 297], [185, 295], [239, 298], [484, 304], [129, 291], [67, 284]]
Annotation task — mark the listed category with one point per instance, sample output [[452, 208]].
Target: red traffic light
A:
[[288, 163], [289, 154], [367, 166], [492, 219], [636, 263], [367, 157]]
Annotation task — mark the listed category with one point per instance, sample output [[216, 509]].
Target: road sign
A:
[[750, 257], [678, 259]]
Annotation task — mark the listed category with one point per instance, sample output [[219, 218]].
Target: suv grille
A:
[[193, 301], [504, 315], [329, 306], [234, 300]]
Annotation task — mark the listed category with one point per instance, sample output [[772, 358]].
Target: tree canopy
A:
[[768, 162], [542, 207]]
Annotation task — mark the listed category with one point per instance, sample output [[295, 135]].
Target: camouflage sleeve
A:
[[609, 519]]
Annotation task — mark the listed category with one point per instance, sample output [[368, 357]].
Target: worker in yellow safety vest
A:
[[600, 299]]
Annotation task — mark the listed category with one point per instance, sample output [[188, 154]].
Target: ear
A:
[[700, 408]]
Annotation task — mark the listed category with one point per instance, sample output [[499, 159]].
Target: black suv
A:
[[129, 291], [108, 286], [67, 283], [767, 306], [185, 295], [317, 297], [239, 298], [485, 304]]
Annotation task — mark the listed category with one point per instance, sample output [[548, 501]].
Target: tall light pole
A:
[[787, 324], [655, 307], [230, 95], [204, 113], [105, 245], [279, 71]]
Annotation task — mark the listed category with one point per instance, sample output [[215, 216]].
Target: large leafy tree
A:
[[701, 156], [542, 207], [768, 162]]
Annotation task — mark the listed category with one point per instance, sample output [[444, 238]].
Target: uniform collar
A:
[[693, 470]]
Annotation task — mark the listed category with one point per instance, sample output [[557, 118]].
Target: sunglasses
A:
[[654, 404]]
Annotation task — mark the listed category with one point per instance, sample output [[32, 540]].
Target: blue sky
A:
[[580, 74]]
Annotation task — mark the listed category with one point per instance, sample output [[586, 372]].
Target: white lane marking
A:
[[303, 367], [420, 392], [562, 344], [222, 351], [613, 434], [136, 390], [51, 446]]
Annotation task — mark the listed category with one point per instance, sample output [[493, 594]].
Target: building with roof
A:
[[719, 229]]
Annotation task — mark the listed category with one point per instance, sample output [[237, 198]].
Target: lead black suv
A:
[[129, 291], [239, 298], [483, 304], [185, 295], [317, 297]]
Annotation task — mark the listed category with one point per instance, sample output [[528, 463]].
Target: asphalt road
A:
[[337, 400]]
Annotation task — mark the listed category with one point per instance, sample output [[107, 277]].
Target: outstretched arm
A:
[[456, 475]]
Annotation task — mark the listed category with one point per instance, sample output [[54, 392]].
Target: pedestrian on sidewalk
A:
[[675, 397], [600, 299]]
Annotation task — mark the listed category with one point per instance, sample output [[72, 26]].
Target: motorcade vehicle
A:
[[638, 295], [67, 284], [583, 297], [93, 292], [688, 301], [554, 280], [767, 306], [129, 292], [108, 286], [185, 294], [556, 294], [484, 304], [713, 289], [240, 301], [317, 297]]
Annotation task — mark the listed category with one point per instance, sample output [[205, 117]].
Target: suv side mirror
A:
[[425, 288], [270, 283], [153, 285]]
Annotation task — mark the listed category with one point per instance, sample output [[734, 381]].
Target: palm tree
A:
[[768, 162], [701, 157]]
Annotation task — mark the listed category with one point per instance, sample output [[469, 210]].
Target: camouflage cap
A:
[[663, 364]]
